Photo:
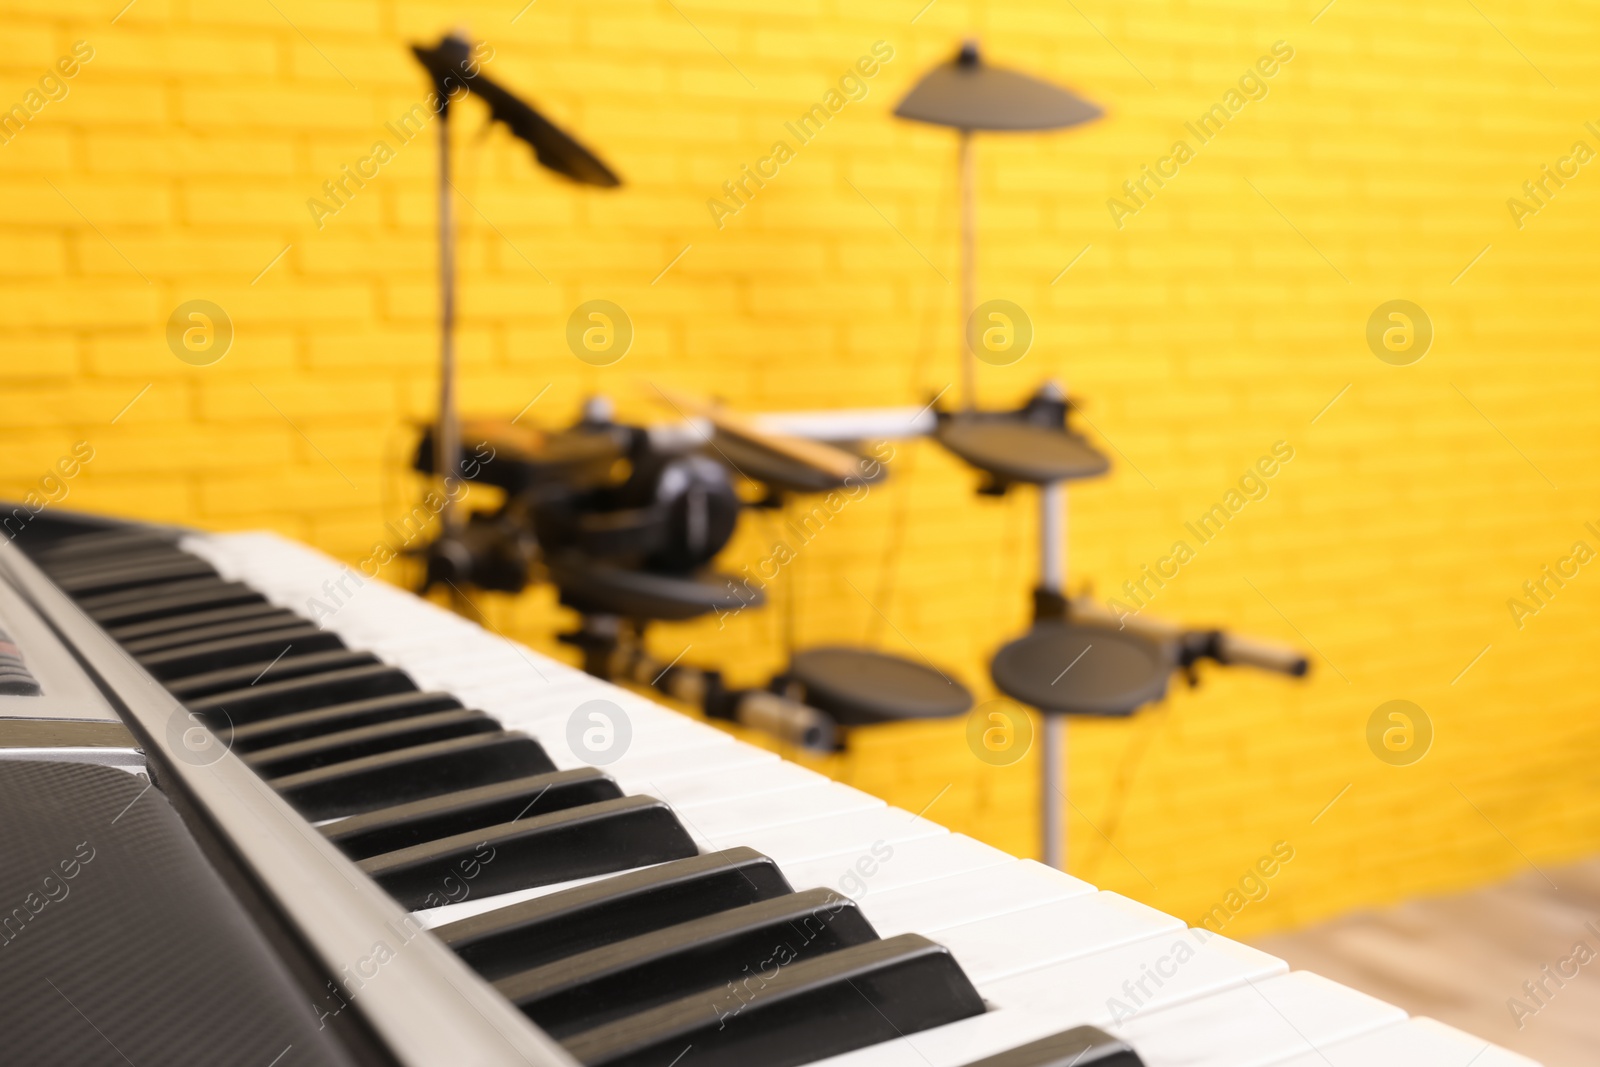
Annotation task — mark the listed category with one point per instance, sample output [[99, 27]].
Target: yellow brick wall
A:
[[1226, 314]]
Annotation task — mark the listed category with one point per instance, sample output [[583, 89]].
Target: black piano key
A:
[[131, 574], [404, 825], [784, 1015], [105, 544], [229, 594], [259, 609], [223, 652], [535, 932], [281, 696], [18, 685], [1082, 1046], [713, 952], [347, 716], [408, 774], [75, 564], [346, 745], [194, 635], [246, 675], [102, 602], [151, 555], [613, 835]]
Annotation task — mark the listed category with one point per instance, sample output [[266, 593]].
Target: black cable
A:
[[889, 569], [1122, 787]]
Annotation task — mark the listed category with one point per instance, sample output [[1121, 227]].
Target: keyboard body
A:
[[965, 951]]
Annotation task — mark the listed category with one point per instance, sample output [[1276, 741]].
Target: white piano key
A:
[[852, 832], [856, 874], [664, 733], [1081, 989], [863, 875], [465, 909], [1419, 1042], [491, 672], [921, 860], [1236, 1028], [553, 715], [519, 684], [554, 719], [422, 637], [967, 897], [881, 856], [420, 631], [567, 760], [560, 694], [993, 948], [488, 674], [738, 816], [494, 673], [1257, 1024], [695, 789], [636, 768], [1146, 976], [559, 700], [956, 1044]]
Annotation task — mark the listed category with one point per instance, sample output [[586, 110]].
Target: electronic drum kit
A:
[[626, 521]]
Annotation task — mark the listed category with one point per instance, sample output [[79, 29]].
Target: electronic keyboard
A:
[[446, 848]]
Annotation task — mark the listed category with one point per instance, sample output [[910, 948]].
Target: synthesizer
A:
[[408, 839]]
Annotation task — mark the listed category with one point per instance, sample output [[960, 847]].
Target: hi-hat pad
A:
[[1079, 668]]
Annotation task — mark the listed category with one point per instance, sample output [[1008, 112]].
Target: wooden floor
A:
[[1460, 959]]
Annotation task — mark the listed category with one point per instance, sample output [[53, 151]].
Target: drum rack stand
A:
[[1053, 758]]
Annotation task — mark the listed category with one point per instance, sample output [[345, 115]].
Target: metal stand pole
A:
[[1053, 759], [969, 267], [447, 434], [1053, 537], [1053, 783], [791, 603]]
